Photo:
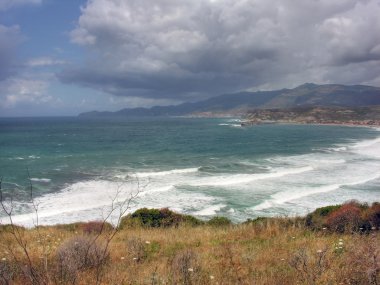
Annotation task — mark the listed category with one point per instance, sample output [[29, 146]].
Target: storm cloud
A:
[[188, 50]]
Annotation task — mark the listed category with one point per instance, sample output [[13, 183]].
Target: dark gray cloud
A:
[[181, 49]]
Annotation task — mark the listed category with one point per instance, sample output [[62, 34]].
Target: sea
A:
[[84, 169]]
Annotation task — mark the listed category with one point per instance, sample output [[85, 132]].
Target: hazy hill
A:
[[304, 95]]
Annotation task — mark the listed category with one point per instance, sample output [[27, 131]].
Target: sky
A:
[[63, 57]]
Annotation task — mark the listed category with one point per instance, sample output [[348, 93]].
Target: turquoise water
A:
[[203, 167]]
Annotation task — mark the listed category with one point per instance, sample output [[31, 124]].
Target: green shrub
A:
[[155, 218], [219, 222], [258, 220]]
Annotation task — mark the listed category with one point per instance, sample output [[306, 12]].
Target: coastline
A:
[[364, 124]]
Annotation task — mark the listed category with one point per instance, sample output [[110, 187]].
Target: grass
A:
[[264, 251]]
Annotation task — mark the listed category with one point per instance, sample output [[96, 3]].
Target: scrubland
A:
[[332, 245]]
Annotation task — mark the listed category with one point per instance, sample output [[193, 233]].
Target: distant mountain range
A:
[[305, 95]]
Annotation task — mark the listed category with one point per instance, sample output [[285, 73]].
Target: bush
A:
[[347, 217], [219, 222], [156, 218], [136, 249], [258, 220], [79, 254], [374, 215], [317, 219]]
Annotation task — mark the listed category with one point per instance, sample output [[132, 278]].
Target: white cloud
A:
[[23, 90], [177, 48], [8, 4]]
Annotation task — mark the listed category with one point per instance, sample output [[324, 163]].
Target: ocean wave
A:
[[210, 211], [228, 180], [367, 148], [33, 157], [231, 125], [286, 196], [169, 172], [43, 180], [157, 173]]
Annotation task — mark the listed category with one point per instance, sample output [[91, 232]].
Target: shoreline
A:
[[344, 124]]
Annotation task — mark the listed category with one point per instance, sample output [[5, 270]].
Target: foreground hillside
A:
[[333, 245]]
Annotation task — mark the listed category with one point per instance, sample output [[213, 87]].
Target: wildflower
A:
[[282, 259], [361, 229], [135, 258], [147, 242], [293, 237], [340, 239], [340, 243], [341, 247], [190, 269], [319, 251], [122, 258], [324, 228], [3, 259], [212, 277]]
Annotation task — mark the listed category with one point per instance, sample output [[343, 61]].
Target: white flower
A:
[[340, 243], [282, 259], [324, 228], [319, 251], [135, 258], [190, 269], [122, 258], [212, 277], [147, 242]]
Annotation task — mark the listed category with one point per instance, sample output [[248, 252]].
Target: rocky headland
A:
[[361, 116]]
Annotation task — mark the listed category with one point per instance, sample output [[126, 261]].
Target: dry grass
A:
[[271, 252]]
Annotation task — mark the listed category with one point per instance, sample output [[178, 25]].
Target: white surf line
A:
[[158, 173], [246, 178], [286, 196]]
